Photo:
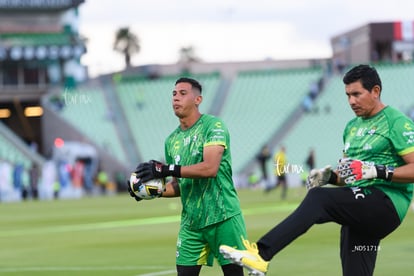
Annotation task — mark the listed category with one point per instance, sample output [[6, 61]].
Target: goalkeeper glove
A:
[[131, 193], [320, 177], [155, 169], [352, 170]]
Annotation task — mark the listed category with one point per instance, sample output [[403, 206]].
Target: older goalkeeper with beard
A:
[[375, 178]]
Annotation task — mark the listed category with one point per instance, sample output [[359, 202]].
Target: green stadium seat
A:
[[87, 110], [259, 102], [148, 109], [322, 129]]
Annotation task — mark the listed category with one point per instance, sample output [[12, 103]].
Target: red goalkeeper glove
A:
[[351, 170]]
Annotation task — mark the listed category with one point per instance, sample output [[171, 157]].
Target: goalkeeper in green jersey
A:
[[375, 190], [198, 159]]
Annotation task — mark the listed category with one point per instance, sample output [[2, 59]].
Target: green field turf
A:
[[114, 235]]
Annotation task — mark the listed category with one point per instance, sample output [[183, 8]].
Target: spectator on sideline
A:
[[34, 180], [262, 157], [280, 171], [310, 160]]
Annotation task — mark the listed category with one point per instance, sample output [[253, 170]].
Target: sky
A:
[[226, 30]]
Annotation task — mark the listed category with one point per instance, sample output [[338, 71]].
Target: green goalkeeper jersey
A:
[[205, 201], [382, 139]]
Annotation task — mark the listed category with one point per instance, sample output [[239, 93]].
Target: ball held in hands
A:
[[146, 190]]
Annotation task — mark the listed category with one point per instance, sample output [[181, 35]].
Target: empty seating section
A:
[[321, 128], [257, 105], [210, 85], [147, 105], [398, 85], [12, 155], [87, 110]]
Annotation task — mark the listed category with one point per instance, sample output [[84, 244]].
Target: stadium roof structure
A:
[[40, 46], [35, 39], [39, 4], [40, 30]]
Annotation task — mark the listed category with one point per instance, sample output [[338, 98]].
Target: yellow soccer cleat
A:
[[249, 258]]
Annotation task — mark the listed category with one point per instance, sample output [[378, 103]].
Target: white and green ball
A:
[[148, 190]]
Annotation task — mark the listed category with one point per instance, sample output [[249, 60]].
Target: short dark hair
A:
[[366, 74], [194, 83]]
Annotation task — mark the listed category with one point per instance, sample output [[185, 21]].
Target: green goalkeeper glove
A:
[[320, 177]]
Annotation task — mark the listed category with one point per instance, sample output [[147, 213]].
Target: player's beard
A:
[[179, 113]]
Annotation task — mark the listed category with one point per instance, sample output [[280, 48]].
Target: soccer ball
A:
[[148, 190]]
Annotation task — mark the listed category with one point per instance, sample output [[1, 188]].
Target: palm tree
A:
[[187, 57], [127, 44]]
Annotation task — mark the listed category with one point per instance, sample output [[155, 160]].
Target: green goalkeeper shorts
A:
[[200, 247]]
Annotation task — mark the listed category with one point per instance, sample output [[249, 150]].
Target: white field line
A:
[[87, 268], [166, 272], [128, 223]]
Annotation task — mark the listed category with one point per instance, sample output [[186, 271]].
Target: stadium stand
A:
[[87, 110], [10, 153], [147, 108], [322, 127], [16, 159], [397, 79], [258, 103], [126, 116], [14, 150]]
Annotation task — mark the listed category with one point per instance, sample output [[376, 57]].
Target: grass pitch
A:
[[115, 235]]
